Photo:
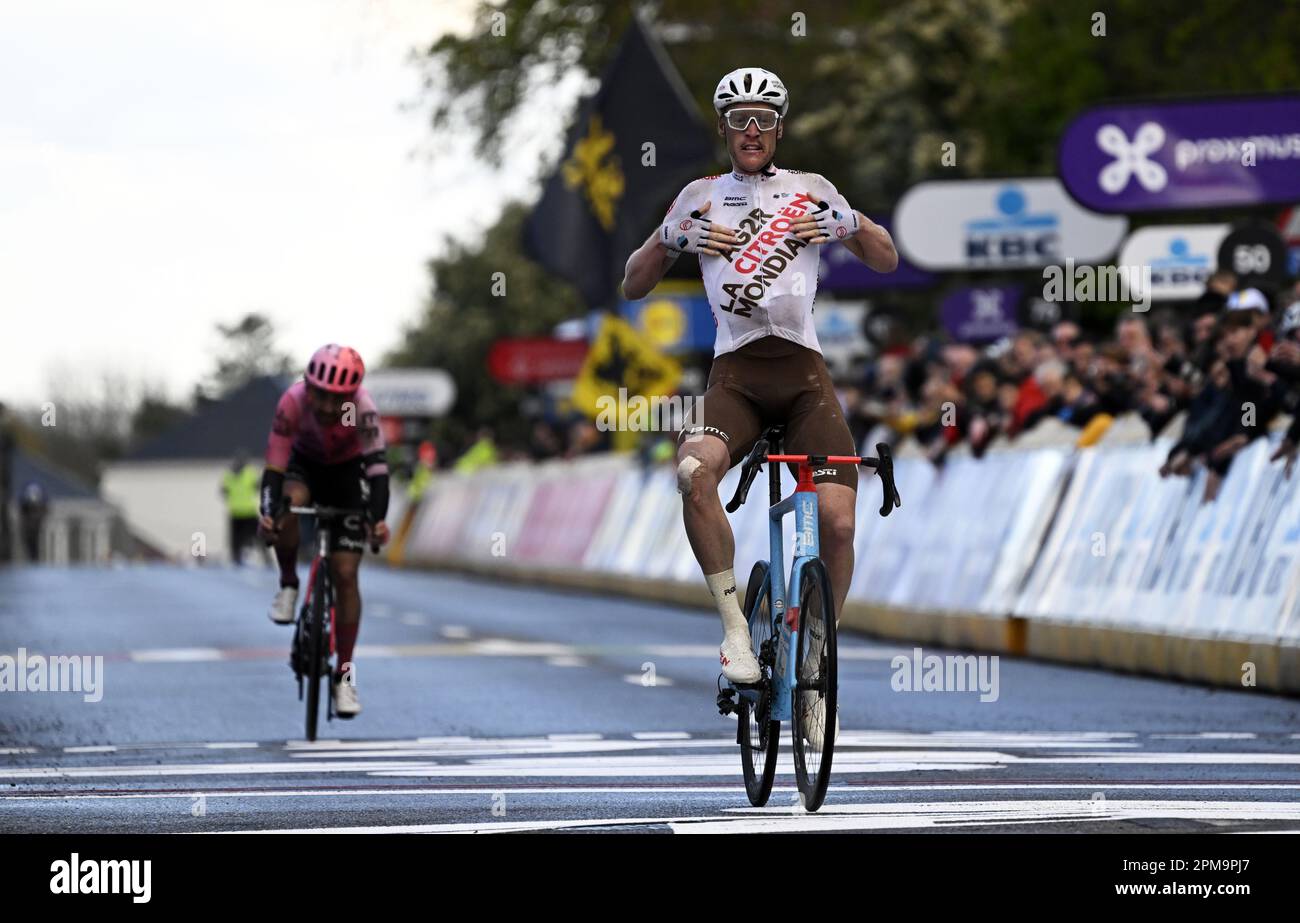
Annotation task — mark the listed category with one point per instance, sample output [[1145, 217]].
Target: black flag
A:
[[604, 198]]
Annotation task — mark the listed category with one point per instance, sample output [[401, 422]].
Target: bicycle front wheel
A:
[[316, 646], [815, 693], [759, 735]]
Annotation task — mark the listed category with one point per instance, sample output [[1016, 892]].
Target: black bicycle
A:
[[312, 654]]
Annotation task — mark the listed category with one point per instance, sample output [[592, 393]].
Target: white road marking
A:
[[1206, 735], [985, 813], [638, 679], [720, 789], [869, 817], [414, 618], [566, 661], [653, 756], [458, 643], [497, 827], [177, 655]]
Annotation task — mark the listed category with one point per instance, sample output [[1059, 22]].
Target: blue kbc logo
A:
[[1015, 235], [1181, 266]]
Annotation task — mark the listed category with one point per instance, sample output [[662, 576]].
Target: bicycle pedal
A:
[[726, 701]]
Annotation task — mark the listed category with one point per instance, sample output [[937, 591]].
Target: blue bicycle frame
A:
[[804, 505]]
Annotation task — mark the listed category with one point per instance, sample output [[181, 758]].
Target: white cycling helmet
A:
[[750, 85]]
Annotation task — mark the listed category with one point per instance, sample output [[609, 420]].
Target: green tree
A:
[[247, 351], [877, 90], [877, 87], [154, 414], [463, 317]]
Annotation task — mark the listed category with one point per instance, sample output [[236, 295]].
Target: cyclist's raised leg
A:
[[702, 460], [722, 433]]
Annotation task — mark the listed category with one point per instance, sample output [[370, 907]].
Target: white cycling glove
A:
[[686, 234], [835, 224]]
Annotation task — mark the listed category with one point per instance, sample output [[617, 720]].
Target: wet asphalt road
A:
[[492, 706]]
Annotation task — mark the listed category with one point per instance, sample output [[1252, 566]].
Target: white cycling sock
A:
[[723, 588]]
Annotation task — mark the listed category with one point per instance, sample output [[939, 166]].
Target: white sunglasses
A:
[[765, 119]]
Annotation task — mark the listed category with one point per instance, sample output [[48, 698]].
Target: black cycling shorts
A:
[[775, 381], [343, 485]]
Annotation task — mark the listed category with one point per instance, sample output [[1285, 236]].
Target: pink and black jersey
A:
[[355, 435]]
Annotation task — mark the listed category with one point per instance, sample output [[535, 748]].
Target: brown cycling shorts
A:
[[774, 381]]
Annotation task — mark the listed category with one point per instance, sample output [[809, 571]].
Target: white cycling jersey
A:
[[767, 287]]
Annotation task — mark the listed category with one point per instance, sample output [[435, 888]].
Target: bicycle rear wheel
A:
[[759, 736], [815, 693], [315, 645]]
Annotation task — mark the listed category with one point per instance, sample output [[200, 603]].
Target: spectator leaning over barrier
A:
[[1217, 289], [1261, 393], [1284, 361], [1156, 365]]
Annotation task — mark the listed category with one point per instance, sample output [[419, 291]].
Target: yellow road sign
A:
[[622, 357]]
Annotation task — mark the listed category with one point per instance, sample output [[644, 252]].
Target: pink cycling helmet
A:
[[335, 368]]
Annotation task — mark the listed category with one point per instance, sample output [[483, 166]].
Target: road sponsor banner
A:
[[1181, 257], [981, 313], [411, 392], [1000, 224], [535, 360], [1184, 155], [1093, 536], [672, 323]]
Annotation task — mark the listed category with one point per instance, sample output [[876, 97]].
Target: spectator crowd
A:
[[1230, 362], [1221, 370]]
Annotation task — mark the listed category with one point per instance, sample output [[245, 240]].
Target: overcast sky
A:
[[167, 164]]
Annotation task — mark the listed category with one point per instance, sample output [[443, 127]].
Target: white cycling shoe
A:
[[739, 665], [282, 608], [346, 703], [814, 723]]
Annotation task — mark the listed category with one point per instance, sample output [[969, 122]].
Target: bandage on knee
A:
[[686, 474]]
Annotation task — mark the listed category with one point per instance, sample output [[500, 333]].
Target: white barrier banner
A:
[[1092, 536]]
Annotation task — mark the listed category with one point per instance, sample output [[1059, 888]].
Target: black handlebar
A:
[[883, 463], [752, 464], [327, 513]]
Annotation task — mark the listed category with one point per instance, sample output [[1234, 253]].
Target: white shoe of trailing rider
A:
[[346, 703], [739, 665], [815, 720], [285, 601]]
